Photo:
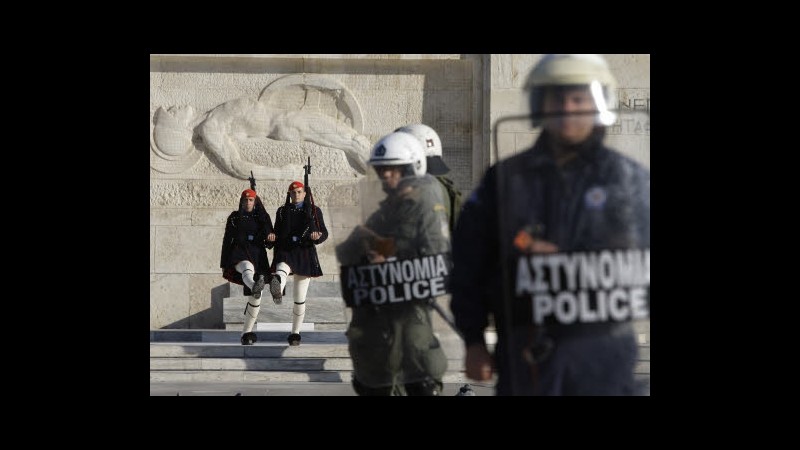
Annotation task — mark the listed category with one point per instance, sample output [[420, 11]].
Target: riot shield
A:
[[573, 231], [392, 264]]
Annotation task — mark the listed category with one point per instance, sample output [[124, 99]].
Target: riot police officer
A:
[[432, 144], [390, 336], [554, 245]]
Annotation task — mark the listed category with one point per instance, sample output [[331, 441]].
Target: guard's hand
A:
[[478, 363], [271, 237], [315, 235]]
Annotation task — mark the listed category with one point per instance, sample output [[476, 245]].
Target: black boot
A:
[[258, 286], [275, 289], [249, 338]]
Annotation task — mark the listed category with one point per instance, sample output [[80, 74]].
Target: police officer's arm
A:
[[475, 259], [475, 276], [430, 238]]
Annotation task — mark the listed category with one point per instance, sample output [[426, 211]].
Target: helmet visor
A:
[[577, 105]]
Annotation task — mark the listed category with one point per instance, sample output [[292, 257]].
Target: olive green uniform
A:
[[393, 346]]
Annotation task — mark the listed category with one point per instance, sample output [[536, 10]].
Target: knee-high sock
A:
[[251, 310], [299, 310], [253, 304], [283, 270], [248, 271]]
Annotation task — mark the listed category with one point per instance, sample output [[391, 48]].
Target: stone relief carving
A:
[[295, 108], [171, 139]]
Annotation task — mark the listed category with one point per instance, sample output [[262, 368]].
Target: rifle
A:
[[311, 212], [252, 181]]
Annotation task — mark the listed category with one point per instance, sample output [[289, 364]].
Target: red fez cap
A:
[[295, 185], [249, 193]]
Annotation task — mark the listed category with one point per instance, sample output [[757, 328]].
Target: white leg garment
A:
[[248, 271], [299, 310], [283, 270], [253, 305], [251, 310]]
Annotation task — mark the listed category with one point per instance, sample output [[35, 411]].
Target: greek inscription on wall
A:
[[634, 113]]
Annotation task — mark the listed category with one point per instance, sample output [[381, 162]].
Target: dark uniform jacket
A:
[[293, 244], [245, 239], [415, 219]]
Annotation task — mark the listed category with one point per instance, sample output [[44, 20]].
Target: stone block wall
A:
[[216, 118]]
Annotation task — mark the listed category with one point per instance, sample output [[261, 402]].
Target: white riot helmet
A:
[[399, 149], [574, 70], [431, 143]]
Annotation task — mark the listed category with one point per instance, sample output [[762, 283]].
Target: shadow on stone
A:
[[210, 318]]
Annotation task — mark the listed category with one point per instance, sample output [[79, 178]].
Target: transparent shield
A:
[[573, 229], [391, 267]]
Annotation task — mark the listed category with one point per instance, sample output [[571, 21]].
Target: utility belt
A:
[[389, 307], [589, 329], [542, 339]]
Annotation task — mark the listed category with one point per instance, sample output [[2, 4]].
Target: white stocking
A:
[[283, 270], [248, 271], [299, 310]]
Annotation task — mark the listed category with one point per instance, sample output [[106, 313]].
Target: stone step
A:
[[248, 376], [272, 345], [216, 343], [273, 359], [258, 350], [205, 356], [281, 363], [268, 364], [233, 336], [284, 326], [319, 310], [315, 289]]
